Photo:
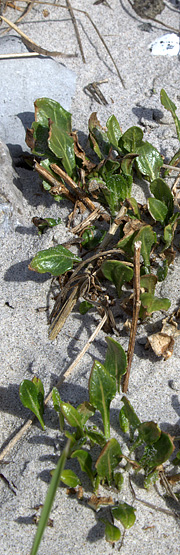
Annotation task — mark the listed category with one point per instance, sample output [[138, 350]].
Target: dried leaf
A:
[[162, 342], [96, 502]]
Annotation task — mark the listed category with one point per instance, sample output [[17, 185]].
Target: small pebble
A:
[[173, 385]]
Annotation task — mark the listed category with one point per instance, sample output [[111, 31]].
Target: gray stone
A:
[[11, 198], [25, 80]]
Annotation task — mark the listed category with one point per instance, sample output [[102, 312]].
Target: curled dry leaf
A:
[[162, 342], [96, 502]]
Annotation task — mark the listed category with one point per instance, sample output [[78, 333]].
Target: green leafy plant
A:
[[107, 258], [157, 445]]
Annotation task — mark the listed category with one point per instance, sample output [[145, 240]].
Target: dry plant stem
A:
[[83, 225], [20, 55], [74, 187], [28, 423], [33, 45], [62, 316], [136, 308], [27, 9], [61, 189], [112, 229], [156, 20], [69, 7]]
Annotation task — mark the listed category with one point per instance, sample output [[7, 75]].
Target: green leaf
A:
[[130, 414], [127, 243], [134, 206], [112, 532], [151, 479], [115, 361], [113, 131], [118, 189], [31, 397], [46, 109], [157, 209], [117, 272], [86, 411], [96, 437], [172, 162], [162, 270], [119, 480], [85, 461], [55, 260], [40, 139], [169, 105], [85, 306], [98, 138], [102, 389], [168, 236], [176, 460], [127, 163], [125, 513], [131, 139], [40, 388], [148, 282], [123, 420], [92, 237], [149, 161], [57, 406], [69, 478], [162, 192], [149, 432], [108, 460], [49, 499], [62, 145], [147, 237], [72, 415], [152, 304], [157, 453]]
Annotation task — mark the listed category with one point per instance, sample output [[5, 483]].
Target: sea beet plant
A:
[[101, 180]]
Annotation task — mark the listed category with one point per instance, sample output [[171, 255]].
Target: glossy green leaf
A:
[[130, 414], [125, 513], [85, 306], [157, 209], [102, 389], [69, 478], [72, 415], [147, 237], [96, 437], [40, 139], [115, 361], [148, 282], [131, 139], [62, 145], [149, 161], [40, 388], [86, 411], [162, 270], [112, 532], [127, 243], [92, 237], [49, 499], [118, 189], [46, 108], [56, 261], [149, 432], [31, 397], [117, 272], [152, 304], [113, 131], [119, 480], [56, 399], [162, 192], [46, 164], [134, 206], [98, 137], [157, 453], [168, 236], [123, 421], [85, 461], [127, 163], [169, 105], [108, 460]]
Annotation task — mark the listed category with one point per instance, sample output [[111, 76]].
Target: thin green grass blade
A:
[[50, 498]]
